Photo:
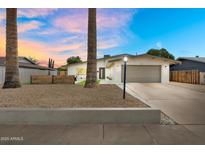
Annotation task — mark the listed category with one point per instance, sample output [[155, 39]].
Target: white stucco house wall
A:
[[140, 68], [26, 69]]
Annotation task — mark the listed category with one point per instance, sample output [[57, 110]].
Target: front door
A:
[[101, 73]]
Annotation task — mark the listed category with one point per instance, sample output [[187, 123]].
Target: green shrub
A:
[[82, 83]]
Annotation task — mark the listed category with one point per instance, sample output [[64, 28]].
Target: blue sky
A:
[[61, 33], [181, 31]]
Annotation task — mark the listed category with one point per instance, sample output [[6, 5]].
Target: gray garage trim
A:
[[142, 73]]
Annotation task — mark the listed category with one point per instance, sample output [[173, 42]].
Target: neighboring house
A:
[[62, 70], [26, 69], [191, 63], [140, 68]]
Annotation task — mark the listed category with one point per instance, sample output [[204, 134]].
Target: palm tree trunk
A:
[[91, 74], [12, 65]]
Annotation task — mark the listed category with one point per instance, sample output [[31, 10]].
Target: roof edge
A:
[[189, 58], [129, 55]]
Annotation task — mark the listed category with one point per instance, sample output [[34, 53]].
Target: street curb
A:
[[79, 115]]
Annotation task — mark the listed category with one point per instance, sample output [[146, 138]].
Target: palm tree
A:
[[91, 74], [12, 65]]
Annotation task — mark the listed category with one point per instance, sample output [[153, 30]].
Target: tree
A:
[[161, 53], [34, 60], [73, 60], [62, 68], [91, 73], [12, 64], [51, 63]]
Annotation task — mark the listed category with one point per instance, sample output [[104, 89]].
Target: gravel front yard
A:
[[60, 95]]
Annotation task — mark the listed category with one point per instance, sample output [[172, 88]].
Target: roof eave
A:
[[182, 58], [164, 59]]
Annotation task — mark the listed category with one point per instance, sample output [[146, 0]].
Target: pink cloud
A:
[[23, 27], [109, 24], [49, 31], [37, 12], [43, 51], [70, 39], [106, 44], [77, 22], [2, 16], [30, 13], [74, 23], [113, 20], [75, 46]]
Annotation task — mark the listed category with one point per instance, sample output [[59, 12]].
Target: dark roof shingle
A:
[[30, 64], [196, 59]]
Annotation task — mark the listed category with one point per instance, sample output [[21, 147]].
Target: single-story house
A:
[[26, 69], [191, 63], [142, 68]]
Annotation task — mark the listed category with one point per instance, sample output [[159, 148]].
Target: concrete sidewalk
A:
[[102, 134]]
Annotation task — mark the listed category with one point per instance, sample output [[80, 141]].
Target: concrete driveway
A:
[[183, 103]]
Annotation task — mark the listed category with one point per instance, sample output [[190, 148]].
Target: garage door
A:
[[142, 74]]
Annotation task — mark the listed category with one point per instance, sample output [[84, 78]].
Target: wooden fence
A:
[[49, 79], [187, 76], [63, 79], [41, 79]]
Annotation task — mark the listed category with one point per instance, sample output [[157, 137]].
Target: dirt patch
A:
[[51, 96]]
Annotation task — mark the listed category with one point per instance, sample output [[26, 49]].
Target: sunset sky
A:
[[61, 33]]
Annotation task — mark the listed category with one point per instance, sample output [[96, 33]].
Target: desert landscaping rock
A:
[[58, 95]]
